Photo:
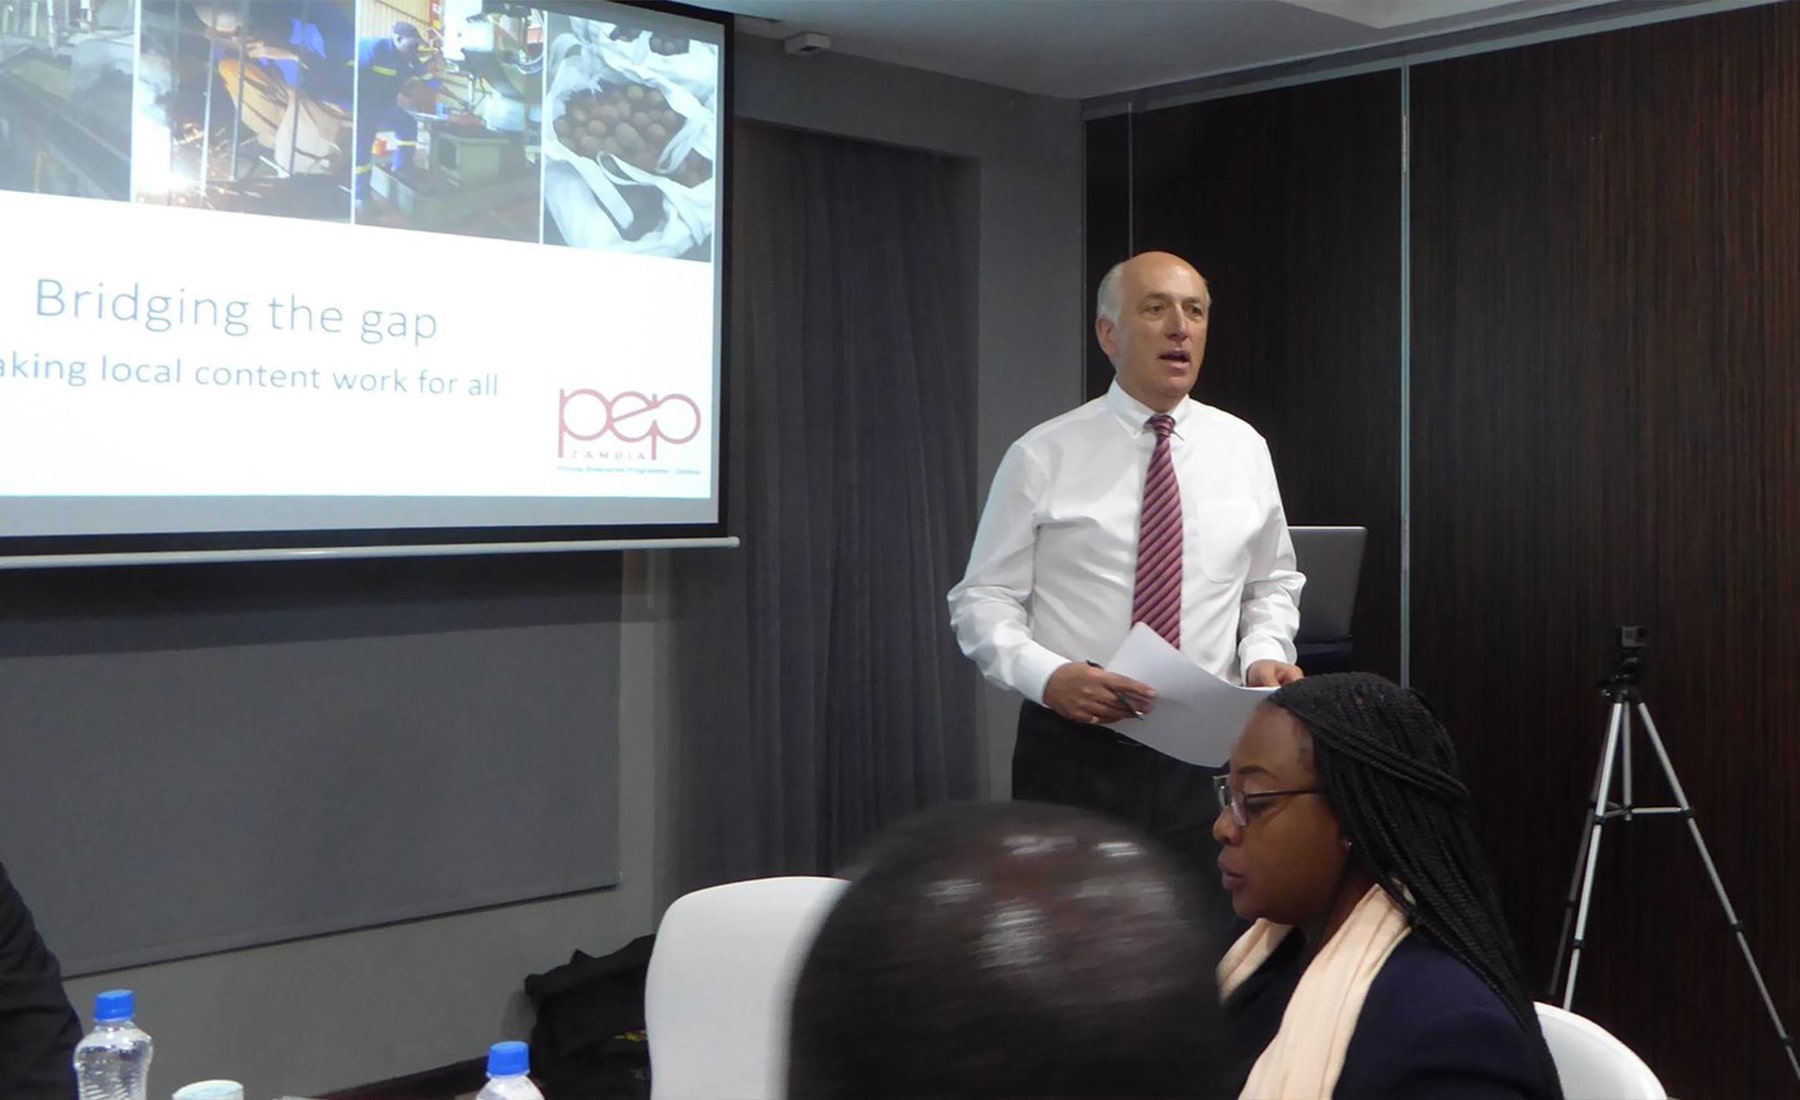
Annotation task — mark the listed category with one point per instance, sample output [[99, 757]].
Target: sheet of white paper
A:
[[1197, 716]]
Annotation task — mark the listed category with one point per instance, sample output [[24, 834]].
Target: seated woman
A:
[[1379, 964]]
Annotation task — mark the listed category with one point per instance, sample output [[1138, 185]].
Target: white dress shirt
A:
[[1051, 572]]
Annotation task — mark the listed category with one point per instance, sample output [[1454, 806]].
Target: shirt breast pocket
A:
[[1218, 536]]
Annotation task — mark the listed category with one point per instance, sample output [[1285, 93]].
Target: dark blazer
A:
[[38, 1028], [1430, 1027]]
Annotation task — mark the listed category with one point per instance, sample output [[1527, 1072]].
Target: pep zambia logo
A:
[[631, 418]]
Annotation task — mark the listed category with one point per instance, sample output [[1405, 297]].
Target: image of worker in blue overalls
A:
[[313, 45], [385, 67]]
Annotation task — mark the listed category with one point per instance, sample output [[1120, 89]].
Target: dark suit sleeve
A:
[[38, 1028], [1431, 1028], [1471, 1054]]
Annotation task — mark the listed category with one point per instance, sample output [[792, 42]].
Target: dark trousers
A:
[[1093, 768], [371, 120]]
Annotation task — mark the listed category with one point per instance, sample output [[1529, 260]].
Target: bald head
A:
[[1151, 319], [1009, 949], [1107, 300]]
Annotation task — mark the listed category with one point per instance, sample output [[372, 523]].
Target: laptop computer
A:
[[1331, 558]]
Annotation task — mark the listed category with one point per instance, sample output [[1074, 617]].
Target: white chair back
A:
[[721, 984], [1593, 1064]]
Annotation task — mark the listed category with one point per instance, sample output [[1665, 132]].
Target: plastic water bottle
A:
[[113, 1061], [508, 1063]]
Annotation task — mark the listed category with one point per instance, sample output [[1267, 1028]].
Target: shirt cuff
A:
[[1267, 650], [1034, 668]]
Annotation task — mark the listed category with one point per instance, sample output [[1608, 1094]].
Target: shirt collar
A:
[[1135, 415]]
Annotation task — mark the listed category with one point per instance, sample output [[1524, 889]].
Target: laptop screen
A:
[[1331, 558]]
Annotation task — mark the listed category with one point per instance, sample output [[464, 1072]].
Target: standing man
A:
[[385, 68], [1141, 505]]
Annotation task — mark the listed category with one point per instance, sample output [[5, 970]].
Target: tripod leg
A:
[[1614, 727], [1625, 765], [1712, 873], [1596, 804]]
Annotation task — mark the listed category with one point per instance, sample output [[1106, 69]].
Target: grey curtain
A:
[[821, 693]]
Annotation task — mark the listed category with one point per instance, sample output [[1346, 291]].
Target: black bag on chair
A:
[[588, 1041]]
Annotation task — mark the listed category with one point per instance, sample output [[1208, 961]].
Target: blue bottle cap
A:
[[509, 1059], [115, 1004]]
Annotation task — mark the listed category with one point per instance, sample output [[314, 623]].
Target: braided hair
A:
[[1387, 766]]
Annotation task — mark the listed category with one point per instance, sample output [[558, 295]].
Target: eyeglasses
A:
[[1241, 805]]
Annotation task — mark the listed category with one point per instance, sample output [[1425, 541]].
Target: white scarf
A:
[[1304, 1059]]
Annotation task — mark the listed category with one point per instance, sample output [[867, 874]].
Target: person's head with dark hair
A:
[[1014, 949], [1345, 782]]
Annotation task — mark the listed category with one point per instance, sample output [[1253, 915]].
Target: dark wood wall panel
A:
[[1107, 228], [1606, 296], [1289, 203]]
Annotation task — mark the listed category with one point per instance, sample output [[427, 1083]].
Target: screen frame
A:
[[58, 551]]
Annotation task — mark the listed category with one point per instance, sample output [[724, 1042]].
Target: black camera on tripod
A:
[[1630, 644], [1625, 691]]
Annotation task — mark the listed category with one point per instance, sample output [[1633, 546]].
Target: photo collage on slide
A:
[[446, 116]]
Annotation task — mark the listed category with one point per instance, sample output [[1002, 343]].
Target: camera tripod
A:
[[1624, 689]]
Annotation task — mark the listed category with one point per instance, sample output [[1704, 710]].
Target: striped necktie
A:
[[1156, 595]]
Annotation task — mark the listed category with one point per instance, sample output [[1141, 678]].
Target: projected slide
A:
[[631, 148], [307, 266]]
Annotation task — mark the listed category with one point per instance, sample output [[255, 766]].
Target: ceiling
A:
[[1080, 49]]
